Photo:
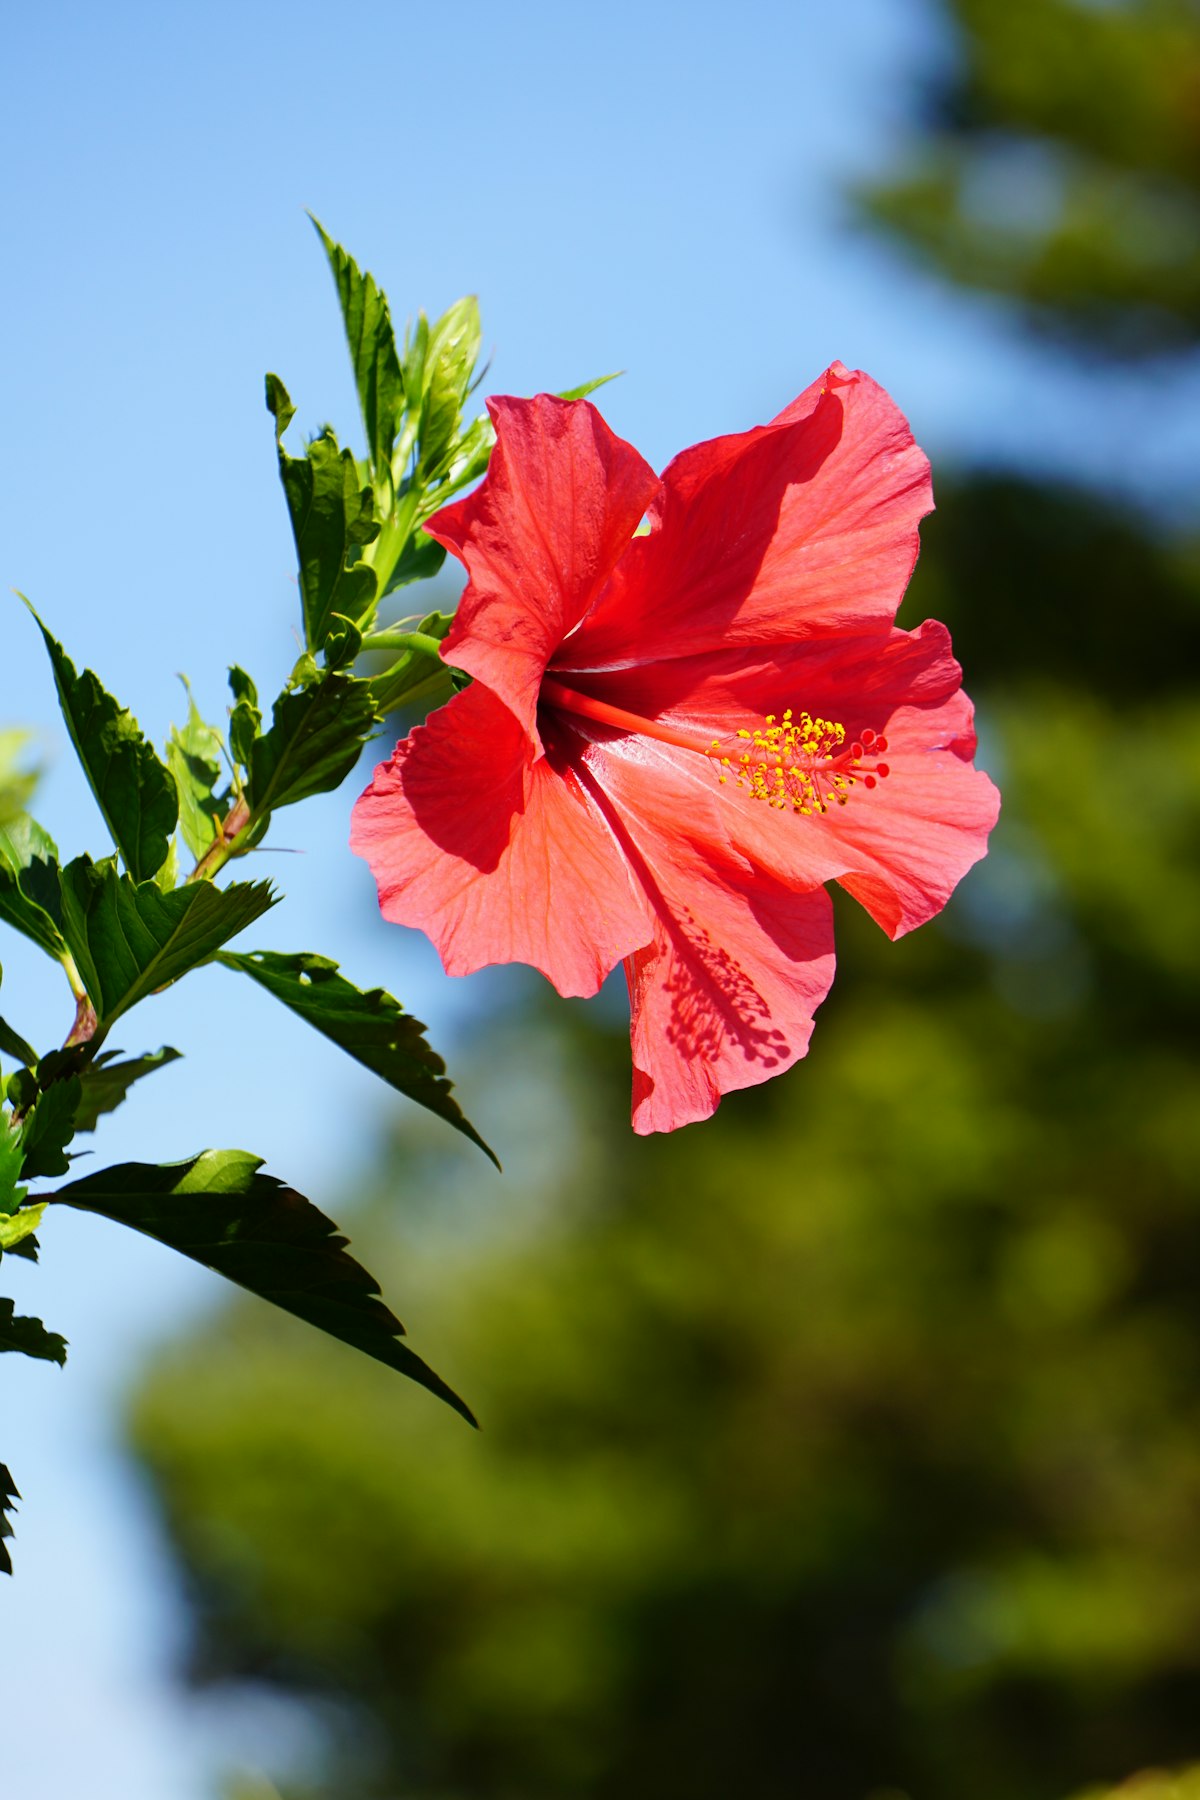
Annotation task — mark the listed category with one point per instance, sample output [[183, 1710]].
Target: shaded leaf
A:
[[13, 1044], [29, 883], [369, 1025], [133, 790], [47, 1129], [194, 759], [316, 736], [8, 1494], [26, 1247], [333, 517], [29, 1337], [342, 644], [219, 1209], [377, 373], [129, 938], [106, 1082]]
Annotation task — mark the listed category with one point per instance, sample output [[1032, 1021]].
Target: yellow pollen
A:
[[798, 762]]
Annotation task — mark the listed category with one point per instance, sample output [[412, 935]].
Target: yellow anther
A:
[[795, 761]]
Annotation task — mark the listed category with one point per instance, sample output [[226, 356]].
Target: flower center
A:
[[801, 762], [792, 761]]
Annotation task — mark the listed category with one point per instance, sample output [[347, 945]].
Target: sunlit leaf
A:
[[333, 518], [245, 719], [377, 373], [194, 759], [421, 558], [29, 883], [129, 939], [16, 1228], [589, 387], [316, 735], [11, 1195], [450, 359]]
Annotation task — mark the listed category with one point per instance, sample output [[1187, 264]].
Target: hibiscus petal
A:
[[724, 995], [496, 855], [905, 847], [901, 847], [858, 680], [561, 501], [803, 527]]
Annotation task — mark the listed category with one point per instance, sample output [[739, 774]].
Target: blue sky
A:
[[646, 187]]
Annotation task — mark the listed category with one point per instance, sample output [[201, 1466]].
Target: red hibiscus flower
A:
[[674, 738]]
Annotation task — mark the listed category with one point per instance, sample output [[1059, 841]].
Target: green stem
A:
[[238, 821], [84, 1028], [403, 640]]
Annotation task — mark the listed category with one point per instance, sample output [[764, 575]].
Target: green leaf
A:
[[194, 759], [420, 559], [106, 1082], [245, 720], [377, 373], [11, 1195], [416, 344], [279, 405], [47, 1129], [219, 1209], [315, 739], [448, 366], [15, 1229], [133, 790], [472, 453], [29, 883], [8, 1493], [13, 1044], [341, 646], [26, 1247], [29, 1337], [369, 1025], [128, 939], [333, 517], [415, 671], [589, 387]]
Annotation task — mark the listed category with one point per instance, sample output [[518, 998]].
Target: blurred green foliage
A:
[[846, 1447], [17, 780], [1059, 165], [1155, 1784]]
